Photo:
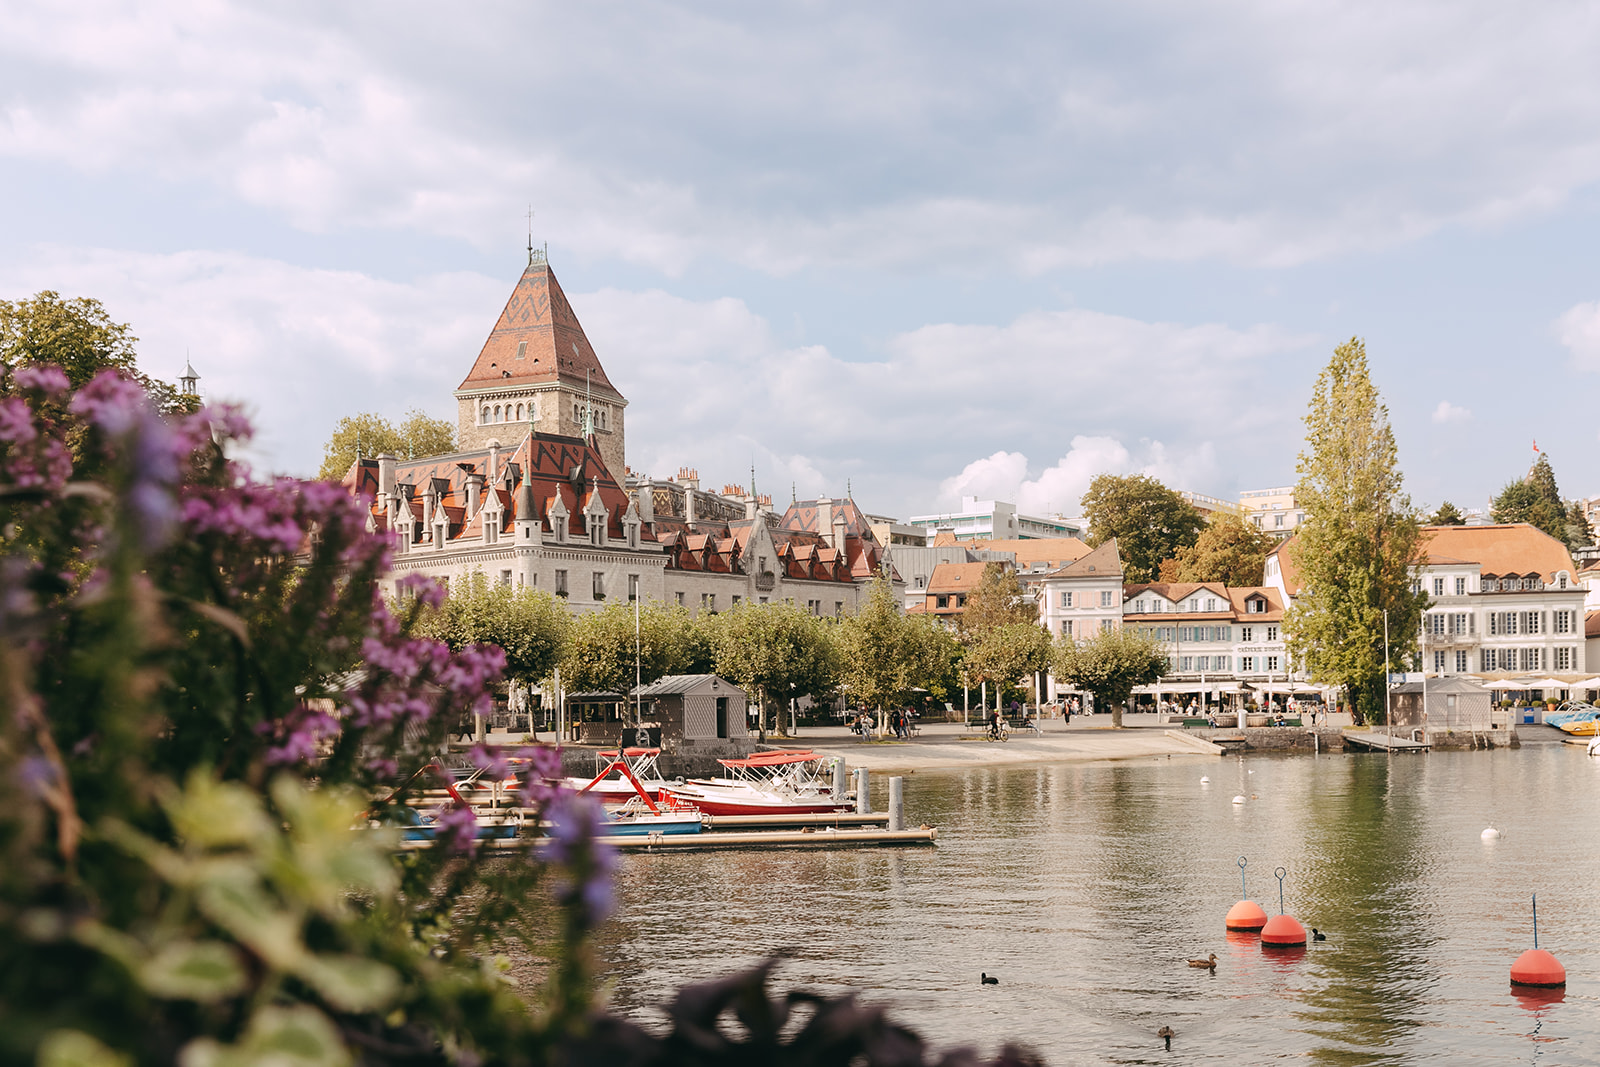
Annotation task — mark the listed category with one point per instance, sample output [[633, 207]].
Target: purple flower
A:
[[575, 844], [16, 421], [45, 377], [542, 778], [111, 402], [300, 732], [423, 588], [457, 828]]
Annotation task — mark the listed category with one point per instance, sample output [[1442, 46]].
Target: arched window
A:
[[519, 412], [485, 413], [497, 413]]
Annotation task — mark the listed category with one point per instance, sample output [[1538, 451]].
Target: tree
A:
[[1004, 655], [599, 656], [1534, 500], [885, 655], [1110, 664], [997, 600], [417, 437], [1150, 522], [78, 336], [1229, 550], [1357, 548], [530, 626], [776, 652], [1447, 515], [1579, 533]]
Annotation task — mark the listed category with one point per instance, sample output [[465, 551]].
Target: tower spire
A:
[[530, 235]]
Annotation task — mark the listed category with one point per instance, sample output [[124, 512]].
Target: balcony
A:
[[765, 581]]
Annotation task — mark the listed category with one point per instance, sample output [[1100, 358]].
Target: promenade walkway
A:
[[945, 745]]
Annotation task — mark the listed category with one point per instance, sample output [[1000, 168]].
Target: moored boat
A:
[[615, 792], [768, 783]]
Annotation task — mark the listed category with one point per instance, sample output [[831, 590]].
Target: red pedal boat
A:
[[768, 783]]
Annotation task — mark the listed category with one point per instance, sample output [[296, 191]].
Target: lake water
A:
[[1085, 887]]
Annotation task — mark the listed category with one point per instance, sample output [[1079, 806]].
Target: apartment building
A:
[[1504, 599], [1272, 511], [980, 520]]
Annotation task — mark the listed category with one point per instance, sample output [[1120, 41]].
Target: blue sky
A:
[[926, 249]]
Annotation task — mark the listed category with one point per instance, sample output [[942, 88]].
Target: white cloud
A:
[[1059, 488], [1579, 330], [710, 386], [664, 134], [1447, 412]]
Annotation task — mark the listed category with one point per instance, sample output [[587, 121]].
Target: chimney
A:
[[474, 492], [688, 504], [386, 463], [825, 518], [750, 503], [841, 530], [689, 477], [647, 502], [494, 459]]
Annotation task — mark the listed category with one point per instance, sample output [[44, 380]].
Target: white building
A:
[[1272, 511], [984, 520], [1505, 599]]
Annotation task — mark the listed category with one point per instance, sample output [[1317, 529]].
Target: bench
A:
[[1192, 722]]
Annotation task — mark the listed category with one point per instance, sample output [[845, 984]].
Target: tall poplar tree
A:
[[1357, 548]]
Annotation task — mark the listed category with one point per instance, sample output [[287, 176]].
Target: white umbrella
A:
[[1505, 683]]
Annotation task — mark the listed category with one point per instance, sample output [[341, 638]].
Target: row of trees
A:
[[879, 658]]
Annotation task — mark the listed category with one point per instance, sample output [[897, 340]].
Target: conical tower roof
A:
[[537, 339]]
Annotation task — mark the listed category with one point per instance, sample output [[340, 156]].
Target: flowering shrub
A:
[[210, 721]]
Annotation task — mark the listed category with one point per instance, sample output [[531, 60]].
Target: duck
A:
[[1318, 935], [1210, 964], [1167, 1033], [986, 979]]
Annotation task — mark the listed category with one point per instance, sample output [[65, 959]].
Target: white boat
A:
[[768, 783], [640, 764]]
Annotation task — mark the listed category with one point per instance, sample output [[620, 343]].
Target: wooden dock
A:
[[827, 837], [1373, 741]]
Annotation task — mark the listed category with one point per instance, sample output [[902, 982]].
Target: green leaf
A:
[[299, 1036], [213, 814], [350, 983], [240, 906], [73, 1048], [205, 971]]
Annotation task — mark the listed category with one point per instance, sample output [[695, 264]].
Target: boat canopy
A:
[[630, 753], [771, 759]]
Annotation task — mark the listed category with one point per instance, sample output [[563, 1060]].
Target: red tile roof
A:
[[538, 316]]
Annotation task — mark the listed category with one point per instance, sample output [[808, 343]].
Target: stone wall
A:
[[1278, 738]]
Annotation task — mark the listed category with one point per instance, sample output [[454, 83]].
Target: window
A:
[[1211, 603], [1247, 663], [633, 588], [1530, 622], [1488, 659], [1561, 582], [1066, 600], [1105, 598], [1272, 663], [1460, 623], [838, 608], [1435, 623], [943, 602], [1185, 663], [599, 585], [1438, 662], [1563, 622], [1533, 659], [1488, 585], [561, 583], [1461, 662], [737, 600], [1438, 587], [1277, 520], [1245, 633], [1461, 587], [483, 416], [1066, 627], [1272, 635], [705, 601], [522, 350], [679, 598], [505, 579], [1138, 607], [1563, 659]]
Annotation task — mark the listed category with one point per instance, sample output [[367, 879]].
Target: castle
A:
[[534, 500]]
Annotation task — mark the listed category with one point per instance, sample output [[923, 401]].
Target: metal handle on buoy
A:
[[1281, 874], [1536, 920], [1243, 892]]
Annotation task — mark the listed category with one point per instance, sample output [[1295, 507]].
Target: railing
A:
[[766, 580]]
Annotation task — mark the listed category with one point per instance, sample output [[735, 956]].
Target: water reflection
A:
[[1087, 887]]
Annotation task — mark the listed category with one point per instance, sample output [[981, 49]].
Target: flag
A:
[[1536, 444]]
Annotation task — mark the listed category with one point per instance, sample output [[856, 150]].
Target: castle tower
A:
[[537, 371]]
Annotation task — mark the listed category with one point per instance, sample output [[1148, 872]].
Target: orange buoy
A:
[[1536, 967], [1246, 915], [1283, 931]]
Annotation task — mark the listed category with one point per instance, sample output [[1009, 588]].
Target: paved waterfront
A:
[[949, 745]]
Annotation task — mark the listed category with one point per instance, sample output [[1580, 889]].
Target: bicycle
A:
[[1000, 730]]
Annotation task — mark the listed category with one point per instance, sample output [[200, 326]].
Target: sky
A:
[[912, 250]]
